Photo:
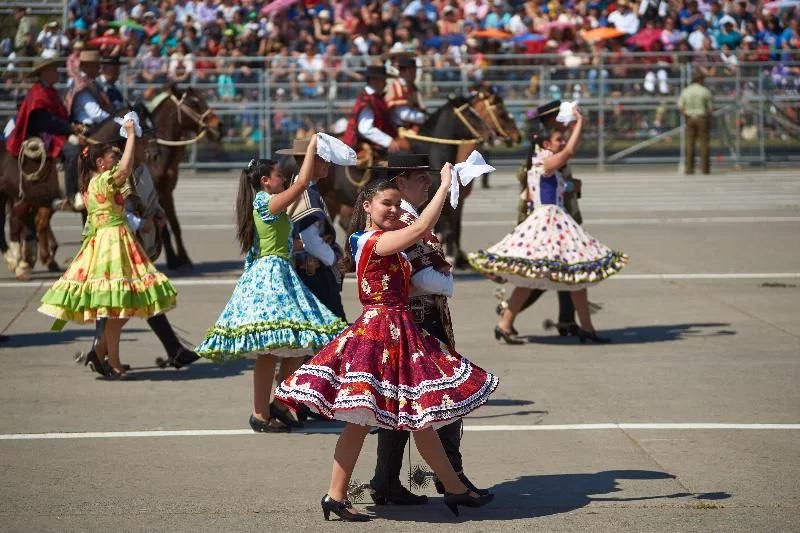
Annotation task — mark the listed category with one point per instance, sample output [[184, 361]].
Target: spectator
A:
[[24, 26], [624, 19], [691, 17], [670, 36], [653, 10], [207, 12], [698, 37], [52, 41], [311, 68], [181, 64], [449, 23], [729, 37], [154, 66], [426, 6]]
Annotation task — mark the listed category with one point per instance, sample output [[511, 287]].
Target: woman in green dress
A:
[[111, 277]]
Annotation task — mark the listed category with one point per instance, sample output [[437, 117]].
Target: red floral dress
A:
[[383, 370]]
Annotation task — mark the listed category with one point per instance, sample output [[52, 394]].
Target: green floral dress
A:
[[111, 277]]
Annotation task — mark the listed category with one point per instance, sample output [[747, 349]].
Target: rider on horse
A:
[[86, 105], [41, 115], [107, 83], [371, 121], [402, 96]]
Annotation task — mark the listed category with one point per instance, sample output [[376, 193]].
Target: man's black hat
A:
[[548, 109], [400, 163], [376, 71]]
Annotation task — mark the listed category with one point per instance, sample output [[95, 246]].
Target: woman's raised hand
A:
[[447, 176], [129, 126]]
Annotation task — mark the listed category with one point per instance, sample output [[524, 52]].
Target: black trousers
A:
[[392, 444], [71, 153], [324, 286], [566, 309]]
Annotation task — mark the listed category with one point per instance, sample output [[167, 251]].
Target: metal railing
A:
[[631, 108]]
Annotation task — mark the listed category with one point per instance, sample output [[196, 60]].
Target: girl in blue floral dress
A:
[[271, 313]]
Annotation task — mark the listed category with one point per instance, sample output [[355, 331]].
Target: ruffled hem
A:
[[85, 316], [363, 409], [544, 273], [224, 344], [85, 301]]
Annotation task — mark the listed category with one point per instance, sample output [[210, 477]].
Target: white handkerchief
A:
[[335, 151], [464, 173], [135, 118], [566, 113]]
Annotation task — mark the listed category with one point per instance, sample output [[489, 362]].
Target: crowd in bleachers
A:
[[306, 42]]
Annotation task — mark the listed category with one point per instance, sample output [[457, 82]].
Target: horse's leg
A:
[[174, 261], [20, 248], [47, 240], [3, 241]]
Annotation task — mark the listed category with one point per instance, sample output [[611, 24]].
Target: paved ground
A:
[[706, 330]]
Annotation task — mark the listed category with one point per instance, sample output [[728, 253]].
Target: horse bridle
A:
[[459, 112], [490, 108], [183, 108]]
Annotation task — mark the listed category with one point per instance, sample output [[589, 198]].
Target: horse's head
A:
[[468, 124], [194, 114], [489, 104]]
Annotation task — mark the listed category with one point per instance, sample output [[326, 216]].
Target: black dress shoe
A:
[[3, 338], [397, 495]]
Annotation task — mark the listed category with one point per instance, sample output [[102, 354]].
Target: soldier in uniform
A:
[[432, 283], [402, 96], [312, 225], [371, 121], [87, 105]]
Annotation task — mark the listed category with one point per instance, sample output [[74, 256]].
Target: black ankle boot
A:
[[397, 495]]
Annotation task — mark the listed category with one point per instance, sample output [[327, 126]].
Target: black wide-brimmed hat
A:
[[398, 163], [544, 111], [405, 61], [376, 71]]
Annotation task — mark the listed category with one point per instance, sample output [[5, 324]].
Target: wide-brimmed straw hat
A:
[[89, 56], [299, 147], [45, 63]]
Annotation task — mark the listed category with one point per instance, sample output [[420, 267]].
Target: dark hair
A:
[[249, 185], [358, 222], [539, 134], [87, 162]]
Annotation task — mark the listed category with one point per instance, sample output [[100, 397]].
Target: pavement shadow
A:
[[206, 268], [199, 370], [507, 402], [646, 334], [55, 338], [536, 496]]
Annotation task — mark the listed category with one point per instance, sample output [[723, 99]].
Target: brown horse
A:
[[28, 194], [455, 120], [177, 114]]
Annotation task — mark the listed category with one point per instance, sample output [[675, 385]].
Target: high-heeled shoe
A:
[[94, 362], [452, 501], [465, 480], [268, 426], [592, 336], [284, 416], [341, 509], [507, 336]]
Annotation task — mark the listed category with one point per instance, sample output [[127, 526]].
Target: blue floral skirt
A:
[[270, 311]]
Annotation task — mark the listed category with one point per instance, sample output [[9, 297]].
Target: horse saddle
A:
[[365, 155], [147, 206]]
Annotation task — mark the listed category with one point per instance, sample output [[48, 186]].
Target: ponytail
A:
[[249, 185]]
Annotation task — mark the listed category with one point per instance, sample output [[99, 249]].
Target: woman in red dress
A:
[[383, 370]]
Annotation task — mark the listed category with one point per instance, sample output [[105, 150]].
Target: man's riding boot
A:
[[386, 485], [177, 355]]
